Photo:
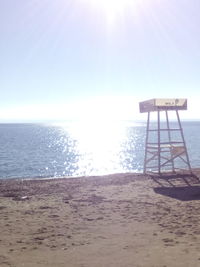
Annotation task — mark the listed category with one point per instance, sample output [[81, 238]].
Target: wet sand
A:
[[119, 220]]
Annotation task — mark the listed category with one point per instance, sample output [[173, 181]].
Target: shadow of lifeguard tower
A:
[[165, 147]]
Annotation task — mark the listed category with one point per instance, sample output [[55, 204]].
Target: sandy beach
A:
[[119, 220]]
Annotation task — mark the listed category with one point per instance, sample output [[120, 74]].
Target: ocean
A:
[[80, 148]]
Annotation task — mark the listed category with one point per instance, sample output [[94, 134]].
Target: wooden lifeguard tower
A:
[[165, 148]]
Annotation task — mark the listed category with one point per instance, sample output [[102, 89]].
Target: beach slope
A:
[[119, 220]]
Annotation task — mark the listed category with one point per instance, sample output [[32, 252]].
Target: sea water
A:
[[80, 148]]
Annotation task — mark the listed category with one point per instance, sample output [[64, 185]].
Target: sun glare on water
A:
[[98, 145]]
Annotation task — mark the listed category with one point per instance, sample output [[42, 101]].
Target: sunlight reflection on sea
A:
[[106, 147]]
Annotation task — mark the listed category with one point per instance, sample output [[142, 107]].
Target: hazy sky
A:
[[62, 59]]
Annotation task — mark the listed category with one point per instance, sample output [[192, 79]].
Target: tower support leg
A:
[[159, 150], [146, 142], [170, 139], [183, 139]]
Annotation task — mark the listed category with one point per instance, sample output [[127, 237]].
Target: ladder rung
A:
[[151, 167], [156, 152], [161, 166], [156, 167], [166, 143], [156, 130]]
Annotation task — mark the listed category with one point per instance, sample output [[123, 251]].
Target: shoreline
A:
[[194, 170], [66, 177], [116, 220]]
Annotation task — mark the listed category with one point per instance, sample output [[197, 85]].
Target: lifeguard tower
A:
[[165, 148]]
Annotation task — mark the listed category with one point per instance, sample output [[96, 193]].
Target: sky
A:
[[79, 59]]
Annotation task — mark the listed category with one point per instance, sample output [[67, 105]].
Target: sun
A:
[[110, 5], [112, 9]]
